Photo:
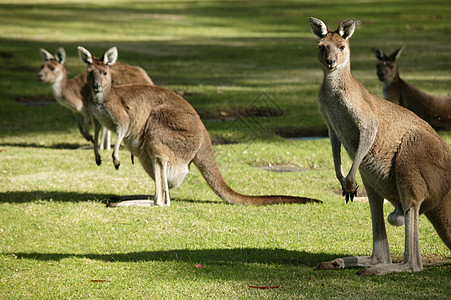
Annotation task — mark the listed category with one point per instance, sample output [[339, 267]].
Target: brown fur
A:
[[74, 93], [399, 156], [163, 131], [433, 109]]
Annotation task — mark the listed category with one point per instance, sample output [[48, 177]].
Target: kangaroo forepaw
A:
[[116, 161], [98, 160], [350, 193]]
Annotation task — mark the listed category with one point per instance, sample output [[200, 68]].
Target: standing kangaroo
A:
[[73, 93], [433, 109], [162, 130], [400, 157]]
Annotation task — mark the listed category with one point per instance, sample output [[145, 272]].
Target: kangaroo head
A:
[[386, 66], [53, 68], [99, 76], [333, 46]]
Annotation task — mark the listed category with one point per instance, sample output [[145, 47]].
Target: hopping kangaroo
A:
[[433, 109], [400, 157], [162, 130], [73, 93]]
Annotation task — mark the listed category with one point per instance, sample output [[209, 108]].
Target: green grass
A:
[[57, 238]]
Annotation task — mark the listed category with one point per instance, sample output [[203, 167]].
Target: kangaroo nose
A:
[[381, 75], [41, 77], [97, 87], [330, 62]]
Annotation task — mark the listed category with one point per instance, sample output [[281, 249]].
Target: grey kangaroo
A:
[[73, 93], [435, 110], [400, 157], [161, 129]]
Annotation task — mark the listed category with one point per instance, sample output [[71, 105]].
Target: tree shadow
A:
[[64, 196], [66, 146], [230, 256]]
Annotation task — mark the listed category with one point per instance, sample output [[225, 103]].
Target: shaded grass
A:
[[56, 234]]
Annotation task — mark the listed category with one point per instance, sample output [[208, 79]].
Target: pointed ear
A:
[[85, 55], [60, 55], [397, 53], [318, 27], [346, 28], [378, 53], [110, 56], [45, 54]]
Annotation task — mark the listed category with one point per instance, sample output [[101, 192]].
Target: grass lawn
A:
[[59, 241]]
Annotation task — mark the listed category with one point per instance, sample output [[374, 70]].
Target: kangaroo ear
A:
[[60, 55], [378, 53], [45, 54], [318, 27], [397, 53], [110, 56], [346, 28], [85, 55]]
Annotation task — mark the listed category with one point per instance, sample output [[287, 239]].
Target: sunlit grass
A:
[[57, 238]]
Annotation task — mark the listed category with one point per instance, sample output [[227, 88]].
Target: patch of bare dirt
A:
[[293, 132], [243, 112], [283, 168], [429, 260], [6, 54], [38, 100]]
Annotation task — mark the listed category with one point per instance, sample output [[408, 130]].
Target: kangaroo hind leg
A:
[[160, 165], [381, 252]]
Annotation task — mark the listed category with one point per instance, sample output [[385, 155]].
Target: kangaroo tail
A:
[[440, 217], [206, 163]]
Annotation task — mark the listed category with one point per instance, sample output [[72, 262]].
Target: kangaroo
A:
[[162, 130], [72, 93], [400, 157], [433, 109]]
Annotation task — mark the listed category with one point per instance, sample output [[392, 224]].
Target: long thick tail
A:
[[440, 217], [206, 163]]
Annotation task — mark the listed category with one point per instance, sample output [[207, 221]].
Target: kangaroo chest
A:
[[104, 115], [342, 118]]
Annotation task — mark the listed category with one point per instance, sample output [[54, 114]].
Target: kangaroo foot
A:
[[132, 200]]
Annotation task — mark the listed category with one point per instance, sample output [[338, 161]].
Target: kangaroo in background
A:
[[433, 109], [162, 130], [73, 93], [400, 157]]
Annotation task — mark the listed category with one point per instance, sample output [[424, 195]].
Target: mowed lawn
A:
[[229, 59]]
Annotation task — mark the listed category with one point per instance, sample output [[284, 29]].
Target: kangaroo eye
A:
[[342, 48], [52, 69], [105, 73]]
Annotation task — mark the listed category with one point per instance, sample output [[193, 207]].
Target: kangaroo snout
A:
[[41, 77], [331, 63], [381, 76], [97, 87]]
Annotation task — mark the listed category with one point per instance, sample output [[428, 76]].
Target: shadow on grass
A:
[[63, 196], [206, 257], [30, 196], [68, 146]]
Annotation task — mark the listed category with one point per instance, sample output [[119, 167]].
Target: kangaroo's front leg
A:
[[349, 187], [83, 126], [96, 126], [121, 131], [367, 135]]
